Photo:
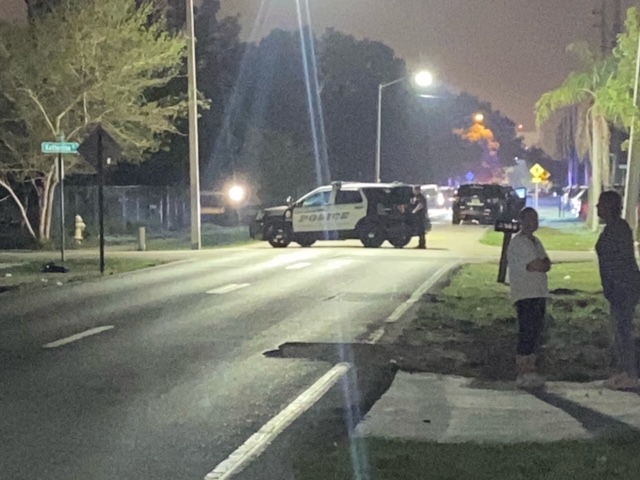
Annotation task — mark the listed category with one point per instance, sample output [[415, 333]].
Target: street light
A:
[[237, 193], [194, 167], [422, 79], [478, 118]]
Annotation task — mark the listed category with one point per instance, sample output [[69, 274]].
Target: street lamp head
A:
[[236, 194], [423, 79], [478, 117]]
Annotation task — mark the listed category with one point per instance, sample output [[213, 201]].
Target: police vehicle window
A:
[[317, 199], [348, 196]]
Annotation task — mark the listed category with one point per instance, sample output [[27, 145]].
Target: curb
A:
[[409, 308]]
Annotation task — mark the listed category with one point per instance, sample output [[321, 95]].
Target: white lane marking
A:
[[336, 264], [376, 336], [78, 336], [227, 288], [415, 297], [259, 441], [288, 258], [297, 266]]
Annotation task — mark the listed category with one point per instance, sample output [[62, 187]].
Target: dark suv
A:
[[486, 203]]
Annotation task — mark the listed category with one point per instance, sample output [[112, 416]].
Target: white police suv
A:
[[370, 212]]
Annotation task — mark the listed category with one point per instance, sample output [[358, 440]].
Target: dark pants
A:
[[531, 312], [420, 229], [624, 341]]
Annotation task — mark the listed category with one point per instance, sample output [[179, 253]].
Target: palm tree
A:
[[585, 90], [620, 100]]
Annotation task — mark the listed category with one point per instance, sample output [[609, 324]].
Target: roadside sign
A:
[[470, 176], [59, 147], [537, 180], [110, 150], [545, 176], [537, 170]]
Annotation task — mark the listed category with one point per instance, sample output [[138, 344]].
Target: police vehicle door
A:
[[345, 210], [310, 214]]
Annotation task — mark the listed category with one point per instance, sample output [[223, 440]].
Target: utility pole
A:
[[194, 166], [602, 26], [617, 22]]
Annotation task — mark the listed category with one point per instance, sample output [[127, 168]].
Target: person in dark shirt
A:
[[621, 286], [419, 216]]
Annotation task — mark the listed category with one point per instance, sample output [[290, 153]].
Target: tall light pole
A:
[[194, 167], [422, 79]]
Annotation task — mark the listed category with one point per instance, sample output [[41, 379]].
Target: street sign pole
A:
[[97, 147], [61, 196], [535, 201]]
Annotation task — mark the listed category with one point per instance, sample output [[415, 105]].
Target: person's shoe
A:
[[621, 381], [530, 381]]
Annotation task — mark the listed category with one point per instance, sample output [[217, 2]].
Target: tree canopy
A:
[[84, 62]]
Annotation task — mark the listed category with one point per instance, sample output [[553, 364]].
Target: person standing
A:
[[419, 214], [528, 265], [620, 278]]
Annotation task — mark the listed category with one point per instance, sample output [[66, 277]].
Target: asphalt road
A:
[[180, 380]]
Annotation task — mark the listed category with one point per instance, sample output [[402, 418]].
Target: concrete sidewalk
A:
[[448, 409]]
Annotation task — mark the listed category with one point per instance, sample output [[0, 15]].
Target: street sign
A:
[[537, 170], [470, 176], [110, 150], [537, 180], [59, 147], [545, 176]]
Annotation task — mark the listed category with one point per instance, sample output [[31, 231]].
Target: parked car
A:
[[431, 193], [486, 203], [446, 196], [579, 202]]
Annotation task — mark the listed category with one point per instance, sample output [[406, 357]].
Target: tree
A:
[[619, 97], [586, 88], [490, 168], [85, 62]]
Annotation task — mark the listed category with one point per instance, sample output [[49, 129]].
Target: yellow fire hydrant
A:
[[80, 227]]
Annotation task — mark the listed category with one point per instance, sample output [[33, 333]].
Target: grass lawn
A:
[[575, 239], [379, 459], [474, 317], [30, 275]]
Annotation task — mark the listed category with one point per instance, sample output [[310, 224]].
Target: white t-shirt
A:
[[524, 284]]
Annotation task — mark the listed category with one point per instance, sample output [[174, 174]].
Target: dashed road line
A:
[[78, 336], [228, 288], [297, 266]]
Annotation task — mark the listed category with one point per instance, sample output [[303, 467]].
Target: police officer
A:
[[419, 216]]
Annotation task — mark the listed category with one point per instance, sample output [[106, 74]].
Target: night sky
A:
[[505, 51]]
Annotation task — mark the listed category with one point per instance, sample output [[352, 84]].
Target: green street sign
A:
[[60, 147]]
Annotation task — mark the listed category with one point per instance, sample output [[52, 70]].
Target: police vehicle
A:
[[370, 212]]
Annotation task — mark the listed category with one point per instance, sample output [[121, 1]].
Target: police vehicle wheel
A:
[[455, 219], [371, 235], [400, 241], [305, 242], [279, 236]]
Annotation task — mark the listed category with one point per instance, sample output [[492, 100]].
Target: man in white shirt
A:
[[528, 266]]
